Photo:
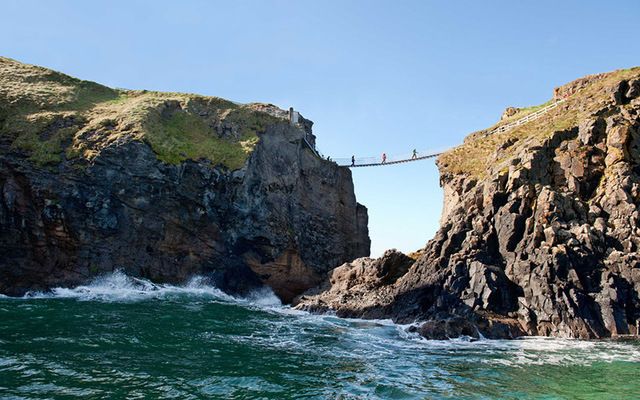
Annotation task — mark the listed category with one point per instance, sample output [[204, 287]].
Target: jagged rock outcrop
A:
[[540, 230], [163, 186]]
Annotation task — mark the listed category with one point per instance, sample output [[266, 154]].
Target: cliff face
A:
[[163, 186], [539, 234]]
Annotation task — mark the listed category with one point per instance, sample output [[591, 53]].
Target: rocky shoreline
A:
[[539, 234]]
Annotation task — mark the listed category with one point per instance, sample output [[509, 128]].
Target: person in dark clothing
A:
[[414, 155], [384, 158], [353, 161]]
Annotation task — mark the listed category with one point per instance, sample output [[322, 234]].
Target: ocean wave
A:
[[558, 351], [369, 338], [380, 339], [118, 286], [262, 297], [536, 350]]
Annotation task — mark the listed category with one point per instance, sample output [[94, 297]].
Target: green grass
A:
[[185, 136], [481, 156], [523, 112], [29, 136], [32, 99]]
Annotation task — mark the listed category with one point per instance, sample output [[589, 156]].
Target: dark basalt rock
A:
[[545, 243], [284, 219], [442, 329]]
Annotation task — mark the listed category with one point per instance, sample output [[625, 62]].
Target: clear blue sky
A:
[[374, 76]]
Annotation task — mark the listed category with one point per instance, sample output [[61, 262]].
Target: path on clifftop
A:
[[423, 155]]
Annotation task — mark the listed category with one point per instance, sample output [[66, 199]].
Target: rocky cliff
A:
[[163, 186], [539, 233]]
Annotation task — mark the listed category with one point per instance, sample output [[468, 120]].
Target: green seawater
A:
[[121, 338]]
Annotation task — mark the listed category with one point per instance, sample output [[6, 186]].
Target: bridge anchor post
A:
[[294, 117]]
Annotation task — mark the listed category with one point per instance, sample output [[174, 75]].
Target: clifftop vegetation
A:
[[51, 117], [481, 153]]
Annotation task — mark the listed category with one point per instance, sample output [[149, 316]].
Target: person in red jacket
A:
[[384, 158]]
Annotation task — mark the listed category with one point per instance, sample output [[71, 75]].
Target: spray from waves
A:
[[119, 287], [383, 335], [264, 297], [375, 337]]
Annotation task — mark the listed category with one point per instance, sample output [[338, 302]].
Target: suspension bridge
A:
[[356, 162]]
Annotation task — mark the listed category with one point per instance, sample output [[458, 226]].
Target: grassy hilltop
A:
[[51, 117], [479, 152]]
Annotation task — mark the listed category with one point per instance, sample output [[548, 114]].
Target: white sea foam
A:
[[118, 286], [378, 337], [264, 297], [383, 336], [537, 350]]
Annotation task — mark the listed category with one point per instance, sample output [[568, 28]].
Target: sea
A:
[[125, 338]]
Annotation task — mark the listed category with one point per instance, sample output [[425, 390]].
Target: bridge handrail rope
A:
[[398, 159], [391, 159]]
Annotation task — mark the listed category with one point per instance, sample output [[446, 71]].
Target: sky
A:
[[374, 76]]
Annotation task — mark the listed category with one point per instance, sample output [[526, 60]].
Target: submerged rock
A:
[[163, 186], [539, 234]]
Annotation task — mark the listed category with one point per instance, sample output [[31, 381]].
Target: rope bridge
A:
[[405, 158], [391, 160]]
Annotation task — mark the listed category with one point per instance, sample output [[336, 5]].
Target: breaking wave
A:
[[120, 334], [118, 286], [379, 336]]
